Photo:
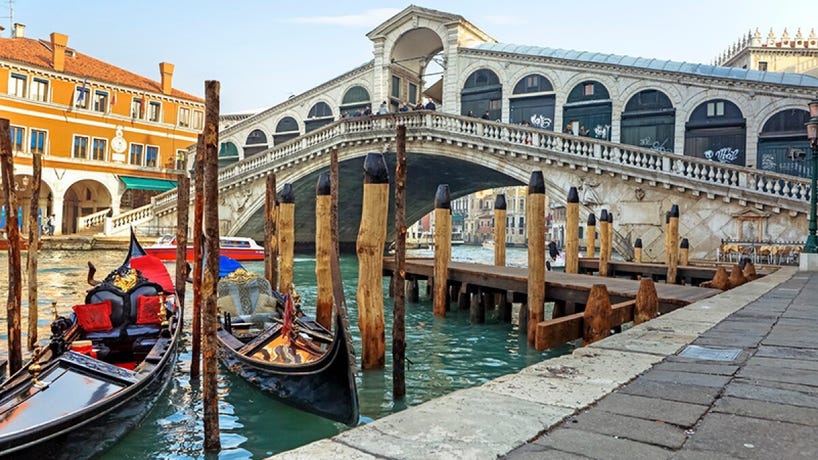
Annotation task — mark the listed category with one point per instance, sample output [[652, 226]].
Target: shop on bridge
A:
[[286, 129], [649, 121], [356, 100], [717, 131], [587, 111], [482, 92], [783, 145], [532, 102], [256, 142], [320, 114]]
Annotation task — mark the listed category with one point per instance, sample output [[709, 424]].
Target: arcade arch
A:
[[482, 95], [532, 102], [716, 130], [319, 115], [256, 142], [286, 129], [587, 111], [783, 145], [355, 101], [24, 188], [89, 196], [649, 121]]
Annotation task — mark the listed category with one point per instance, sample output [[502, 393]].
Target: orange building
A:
[[109, 139]]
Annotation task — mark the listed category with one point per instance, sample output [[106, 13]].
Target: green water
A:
[[446, 354]]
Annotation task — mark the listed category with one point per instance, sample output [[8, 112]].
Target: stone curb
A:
[[507, 412]]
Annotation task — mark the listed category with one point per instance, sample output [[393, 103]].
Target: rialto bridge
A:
[[637, 184]]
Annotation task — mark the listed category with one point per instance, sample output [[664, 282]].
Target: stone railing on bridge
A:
[[122, 223], [700, 176], [90, 221]]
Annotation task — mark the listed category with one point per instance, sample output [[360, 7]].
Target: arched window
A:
[[228, 153], [716, 131], [587, 111], [320, 114], [355, 101], [529, 106], [256, 142], [286, 129], [649, 121], [783, 145], [482, 95]]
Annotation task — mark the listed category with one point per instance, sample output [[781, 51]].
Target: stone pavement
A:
[[747, 388]]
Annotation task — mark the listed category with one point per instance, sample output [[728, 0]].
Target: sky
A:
[[262, 52]]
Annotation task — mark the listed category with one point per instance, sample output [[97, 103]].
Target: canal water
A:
[[445, 354]]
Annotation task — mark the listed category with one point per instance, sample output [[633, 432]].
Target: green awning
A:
[[144, 183]]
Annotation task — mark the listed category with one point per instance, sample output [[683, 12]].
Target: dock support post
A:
[[323, 251], [500, 230], [504, 307], [414, 290], [721, 280], [535, 226], [211, 274], [597, 316], [673, 245], [604, 229], [684, 252], [647, 302], [736, 277], [286, 238], [477, 312], [590, 236], [34, 247], [463, 300], [667, 238], [13, 304], [443, 247], [198, 259], [371, 241], [271, 232], [637, 251], [572, 231]]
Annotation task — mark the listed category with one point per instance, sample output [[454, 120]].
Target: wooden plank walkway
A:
[[570, 289]]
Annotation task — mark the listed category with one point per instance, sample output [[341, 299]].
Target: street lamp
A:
[[811, 246]]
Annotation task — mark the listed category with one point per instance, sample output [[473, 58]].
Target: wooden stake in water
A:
[[572, 232], [33, 248], [270, 233], [182, 212], [13, 304], [597, 315], [590, 236], [286, 237], [604, 228], [535, 227], [500, 213], [443, 247], [637, 251], [370, 243], [684, 252], [198, 259], [399, 311], [673, 245], [323, 251], [211, 275]]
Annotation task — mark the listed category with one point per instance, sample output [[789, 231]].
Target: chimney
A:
[[18, 31], [58, 44], [166, 70]]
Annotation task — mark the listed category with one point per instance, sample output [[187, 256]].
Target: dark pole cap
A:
[[442, 198], [674, 210], [323, 188], [591, 220], [684, 244], [500, 201], [603, 216], [536, 184], [637, 243], [287, 195], [610, 217], [375, 171], [573, 195], [667, 217]]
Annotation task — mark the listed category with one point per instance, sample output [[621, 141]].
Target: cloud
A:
[[369, 18], [504, 20]]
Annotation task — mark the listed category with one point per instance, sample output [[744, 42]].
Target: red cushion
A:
[[153, 269], [147, 309], [94, 316]]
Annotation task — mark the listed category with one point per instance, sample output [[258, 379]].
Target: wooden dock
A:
[[568, 291]]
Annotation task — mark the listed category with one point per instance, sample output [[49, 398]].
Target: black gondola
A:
[[92, 384], [308, 367]]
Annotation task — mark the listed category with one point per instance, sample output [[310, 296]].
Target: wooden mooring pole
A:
[[590, 236], [673, 245], [182, 212], [211, 275], [535, 223], [198, 258], [667, 238], [597, 315], [323, 251], [371, 241], [500, 213], [572, 232], [647, 302], [443, 247], [399, 310], [270, 232], [286, 238], [684, 252], [637, 251], [13, 304], [334, 183], [33, 248], [610, 236], [604, 228]]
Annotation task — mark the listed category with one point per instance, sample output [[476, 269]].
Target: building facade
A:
[[109, 139]]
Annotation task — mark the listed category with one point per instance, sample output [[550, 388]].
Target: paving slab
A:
[[687, 378], [538, 452], [595, 445], [625, 427], [728, 339], [565, 393], [661, 343], [678, 364], [596, 365], [747, 437], [774, 392], [327, 449], [681, 392], [654, 409], [689, 454], [472, 423], [793, 363], [766, 410], [787, 352], [779, 374]]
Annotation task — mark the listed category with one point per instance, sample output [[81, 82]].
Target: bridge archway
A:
[[717, 131], [414, 61]]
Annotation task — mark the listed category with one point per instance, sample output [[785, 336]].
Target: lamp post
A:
[[811, 246]]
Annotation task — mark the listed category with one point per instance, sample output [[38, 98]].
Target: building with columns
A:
[[109, 139]]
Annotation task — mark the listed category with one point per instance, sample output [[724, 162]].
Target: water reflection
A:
[[444, 354]]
